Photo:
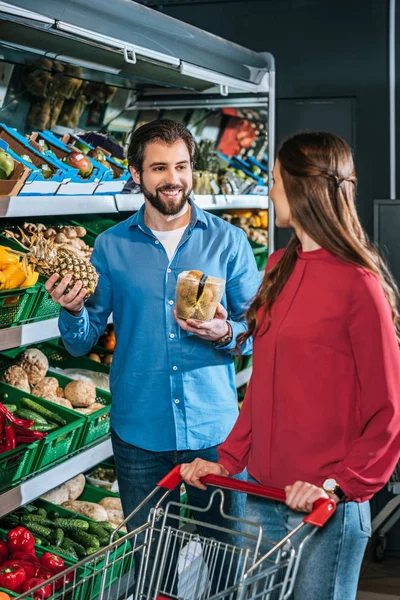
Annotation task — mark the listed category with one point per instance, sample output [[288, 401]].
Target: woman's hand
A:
[[301, 496], [191, 473]]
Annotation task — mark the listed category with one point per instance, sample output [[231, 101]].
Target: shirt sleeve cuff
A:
[[72, 321]]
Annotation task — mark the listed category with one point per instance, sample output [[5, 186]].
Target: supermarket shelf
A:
[[243, 377], [130, 202], [31, 333], [39, 206], [40, 484]]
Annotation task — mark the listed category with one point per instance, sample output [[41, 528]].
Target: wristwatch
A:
[[226, 339], [331, 486]]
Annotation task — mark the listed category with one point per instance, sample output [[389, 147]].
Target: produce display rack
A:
[[38, 485], [40, 206], [201, 71]]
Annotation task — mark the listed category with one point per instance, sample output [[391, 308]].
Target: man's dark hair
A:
[[164, 130]]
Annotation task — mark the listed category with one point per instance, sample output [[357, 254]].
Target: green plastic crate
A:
[[260, 254], [92, 587], [242, 362], [59, 356], [96, 224], [96, 425], [44, 307], [17, 306], [17, 464], [56, 444]]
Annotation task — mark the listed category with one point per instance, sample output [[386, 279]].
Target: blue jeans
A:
[[139, 471], [331, 560]]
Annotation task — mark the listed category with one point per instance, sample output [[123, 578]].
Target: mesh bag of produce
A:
[[198, 295]]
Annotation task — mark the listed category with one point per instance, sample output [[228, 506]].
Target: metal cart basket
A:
[[163, 560]]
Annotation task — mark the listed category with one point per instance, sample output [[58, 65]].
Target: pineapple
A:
[[47, 259]]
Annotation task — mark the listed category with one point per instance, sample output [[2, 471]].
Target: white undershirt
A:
[[170, 239]]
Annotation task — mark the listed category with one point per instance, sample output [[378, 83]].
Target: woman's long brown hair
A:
[[319, 179]]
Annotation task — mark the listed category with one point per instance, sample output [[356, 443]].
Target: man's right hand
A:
[[73, 300]]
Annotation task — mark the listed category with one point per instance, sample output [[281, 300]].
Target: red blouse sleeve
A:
[[234, 452], [374, 454]]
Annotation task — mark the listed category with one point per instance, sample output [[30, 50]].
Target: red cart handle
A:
[[323, 508]]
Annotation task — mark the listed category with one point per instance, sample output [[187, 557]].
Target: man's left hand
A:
[[211, 331]]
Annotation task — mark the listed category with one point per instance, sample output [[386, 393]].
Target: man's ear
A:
[[135, 175]]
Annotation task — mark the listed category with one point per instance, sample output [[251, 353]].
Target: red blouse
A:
[[324, 397]]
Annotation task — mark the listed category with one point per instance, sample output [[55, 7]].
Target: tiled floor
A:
[[380, 580]]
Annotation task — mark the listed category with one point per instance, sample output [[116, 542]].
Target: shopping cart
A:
[[162, 560]]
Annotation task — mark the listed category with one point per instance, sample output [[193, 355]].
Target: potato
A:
[[111, 503], [88, 509]]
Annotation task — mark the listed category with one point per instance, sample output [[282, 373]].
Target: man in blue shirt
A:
[[172, 381]]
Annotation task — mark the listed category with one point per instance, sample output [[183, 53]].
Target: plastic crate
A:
[[59, 356], [17, 464], [17, 306], [56, 444], [96, 425], [242, 362], [92, 586], [96, 224], [260, 254]]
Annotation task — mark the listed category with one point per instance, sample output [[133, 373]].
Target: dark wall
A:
[[323, 48]]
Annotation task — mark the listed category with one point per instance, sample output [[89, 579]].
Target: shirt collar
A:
[[198, 217]]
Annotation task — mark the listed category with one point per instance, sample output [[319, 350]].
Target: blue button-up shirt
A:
[[171, 389]]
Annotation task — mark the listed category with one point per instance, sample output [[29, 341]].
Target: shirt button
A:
[[172, 335], [176, 401], [169, 271], [174, 368], [80, 321], [171, 302], [157, 242]]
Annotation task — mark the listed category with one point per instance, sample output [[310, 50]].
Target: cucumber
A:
[[12, 408], [44, 428], [42, 511], [38, 519], [106, 525], [44, 412], [41, 541], [36, 528], [86, 539], [57, 537], [53, 514], [64, 551], [29, 415], [73, 546], [29, 509], [71, 524], [99, 531]]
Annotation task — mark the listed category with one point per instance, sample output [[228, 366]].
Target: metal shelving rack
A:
[[195, 69]]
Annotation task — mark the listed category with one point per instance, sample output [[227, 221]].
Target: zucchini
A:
[[85, 539], [73, 546], [30, 415], [57, 537], [44, 428], [73, 524], [44, 412], [37, 529]]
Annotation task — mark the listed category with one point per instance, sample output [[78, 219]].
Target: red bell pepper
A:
[[52, 561], [20, 539], [41, 571], [28, 567], [12, 578], [3, 551], [29, 556], [42, 593], [63, 581]]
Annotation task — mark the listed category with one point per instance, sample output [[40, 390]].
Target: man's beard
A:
[[171, 207]]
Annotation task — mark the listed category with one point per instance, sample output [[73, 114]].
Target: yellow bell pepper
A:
[[7, 258], [31, 278], [12, 277]]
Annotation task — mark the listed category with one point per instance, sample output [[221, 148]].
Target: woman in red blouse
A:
[[321, 415]]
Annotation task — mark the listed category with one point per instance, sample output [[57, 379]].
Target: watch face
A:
[[329, 485]]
